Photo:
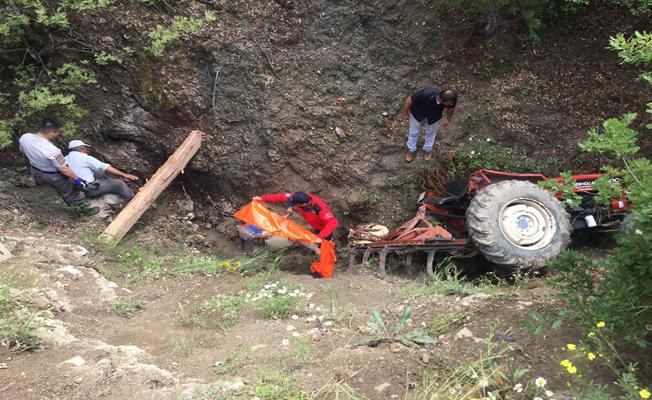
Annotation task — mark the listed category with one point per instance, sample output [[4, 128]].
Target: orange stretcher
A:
[[257, 214]]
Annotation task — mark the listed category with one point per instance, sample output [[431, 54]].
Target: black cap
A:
[[49, 125], [299, 198]]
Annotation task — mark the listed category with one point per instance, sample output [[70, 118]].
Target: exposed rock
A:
[[77, 361], [44, 299], [72, 271], [55, 334], [382, 387], [463, 333]]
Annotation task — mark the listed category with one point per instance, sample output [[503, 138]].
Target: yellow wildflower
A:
[[590, 356], [600, 324], [591, 334], [571, 346], [565, 363], [238, 264], [644, 393], [571, 369]]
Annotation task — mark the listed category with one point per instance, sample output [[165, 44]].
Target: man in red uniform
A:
[[313, 210]]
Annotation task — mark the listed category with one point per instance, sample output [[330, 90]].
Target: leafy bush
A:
[[162, 36]]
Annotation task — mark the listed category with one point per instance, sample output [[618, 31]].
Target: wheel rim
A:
[[526, 223]]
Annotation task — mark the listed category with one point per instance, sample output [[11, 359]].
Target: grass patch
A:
[[18, 324], [337, 391], [278, 306], [448, 280], [491, 372], [274, 386], [182, 345], [301, 349], [446, 322], [234, 362], [19, 328], [127, 308], [221, 312]]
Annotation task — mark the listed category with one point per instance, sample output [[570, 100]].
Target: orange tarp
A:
[[257, 214]]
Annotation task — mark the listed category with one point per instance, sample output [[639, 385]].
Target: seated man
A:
[[86, 167], [48, 166], [313, 210]]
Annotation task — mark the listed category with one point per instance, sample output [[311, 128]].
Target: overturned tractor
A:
[[506, 217]]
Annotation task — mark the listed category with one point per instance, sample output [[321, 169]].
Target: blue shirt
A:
[[425, 106], [84, 166]]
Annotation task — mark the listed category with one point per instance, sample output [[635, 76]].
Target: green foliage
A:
[[564, 188], [278, 306], [615, 138], [447, 321], [223, 311], [486, 377], [127, 308], [622, 297], [104, 58], [485, 155], [19, 328], [161, 36], [274, 386], [382, 332]]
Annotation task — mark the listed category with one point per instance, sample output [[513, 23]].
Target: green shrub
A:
[[161, 36]]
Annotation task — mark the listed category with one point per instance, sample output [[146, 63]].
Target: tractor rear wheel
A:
[[518, 223]]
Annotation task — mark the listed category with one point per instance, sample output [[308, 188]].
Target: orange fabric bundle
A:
[[257, 214]]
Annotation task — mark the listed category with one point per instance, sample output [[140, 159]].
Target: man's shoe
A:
[[84, 209], [427, 155], [409, 156]]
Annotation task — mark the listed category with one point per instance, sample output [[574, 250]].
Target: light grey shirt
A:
[[42, 154], [84, 166]]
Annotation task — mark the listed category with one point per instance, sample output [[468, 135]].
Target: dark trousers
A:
[[64, 186], [103, 186]]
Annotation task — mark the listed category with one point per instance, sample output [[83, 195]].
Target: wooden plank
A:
[[148, 194]]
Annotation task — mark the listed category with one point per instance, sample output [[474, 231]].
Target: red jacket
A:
[[319, 216]]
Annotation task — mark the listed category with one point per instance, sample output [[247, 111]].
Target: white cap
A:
[[77, 143]]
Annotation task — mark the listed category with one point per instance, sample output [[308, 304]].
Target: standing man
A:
[[425, 108], [87, 167], [48, 166], [313, 210]]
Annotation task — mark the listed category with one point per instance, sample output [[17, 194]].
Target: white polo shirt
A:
[[84, 165], [42, 154]]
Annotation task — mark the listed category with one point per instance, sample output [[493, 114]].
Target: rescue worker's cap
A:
[[299, 198], [77, 143]]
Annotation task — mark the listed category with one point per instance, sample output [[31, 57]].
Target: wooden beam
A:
[[148, 194]]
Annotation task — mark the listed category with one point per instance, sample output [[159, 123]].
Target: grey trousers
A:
[[103, 186], [64, 186]]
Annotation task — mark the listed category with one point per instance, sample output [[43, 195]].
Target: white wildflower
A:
[[540, 382], [311, 306], [518, 388], [537, 398], [289, 328], [549, 393], [285, 342], [294, 317], [296, 334]]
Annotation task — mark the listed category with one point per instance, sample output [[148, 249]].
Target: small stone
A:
[[72, 271], [79, 380], [3, 366], [463, 333], [385, 113], [77, 361], [382, 387], [425, 357]]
